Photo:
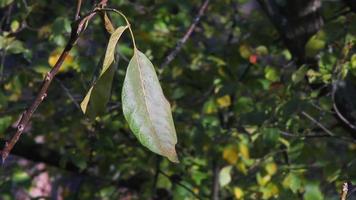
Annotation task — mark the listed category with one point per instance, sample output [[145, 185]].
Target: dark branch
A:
[[186, 36], [41, 153], [77, 28], [296, 21]]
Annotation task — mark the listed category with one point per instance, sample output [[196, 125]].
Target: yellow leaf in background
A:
[[245, 51], [238, 192], [222, 72], [352, 146], [271, 168], [177, 71], [271, 190], [14, 89], [44, 31], [196, 190], [224, 101], [53, 57], [244, 151], [262, 50], [210, 107], [274, 189], [251, 129], [230, 154], [242, 168], [14, 26], [284, 142], [262, 181], [353, 61]]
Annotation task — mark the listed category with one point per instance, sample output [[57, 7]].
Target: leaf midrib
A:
[[144, 96]]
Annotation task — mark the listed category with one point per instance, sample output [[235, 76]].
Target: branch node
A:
[[43, 96], [345, 187], [20, 128], [48, 77]]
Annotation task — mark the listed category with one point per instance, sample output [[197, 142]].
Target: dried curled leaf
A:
[[98, 95]]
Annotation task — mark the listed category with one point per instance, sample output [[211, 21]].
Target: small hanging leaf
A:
[[293, 182], [238, 193], [224, 101], [107, 22], [146, 109], [230, 154], [299, 75], [98, 95], [225, 176]]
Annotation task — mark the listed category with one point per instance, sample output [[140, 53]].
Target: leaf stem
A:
[[127, 22]]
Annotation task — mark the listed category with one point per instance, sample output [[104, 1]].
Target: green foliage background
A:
[[243, 127]]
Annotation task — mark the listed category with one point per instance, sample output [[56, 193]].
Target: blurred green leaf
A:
[[272, 74], [4, 3], [225, 176], [315, 44], [312, 192], [299, 75], [270, 135], [293, 182], [20, 176], [5, 122]]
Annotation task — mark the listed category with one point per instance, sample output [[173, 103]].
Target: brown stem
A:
[[77, 28], [215, 186], [26, 116], [77, 13], [318, 123]]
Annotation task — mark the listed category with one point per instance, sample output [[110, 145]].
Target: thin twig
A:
[[155, 178], [70, 96], [215, 186], [337, 15], [77, 28], [318, 123], [2, 63], [259, 161], [77, 13], [336, 109], [311, 136], [186, 36], [180, 184]]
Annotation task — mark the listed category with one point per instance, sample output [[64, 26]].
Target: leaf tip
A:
[[172, 156], [83, 107]]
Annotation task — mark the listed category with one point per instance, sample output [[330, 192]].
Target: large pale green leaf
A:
[[146, 109], [95, 101]]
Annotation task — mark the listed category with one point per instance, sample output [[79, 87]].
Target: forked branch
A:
[[78, 27]]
